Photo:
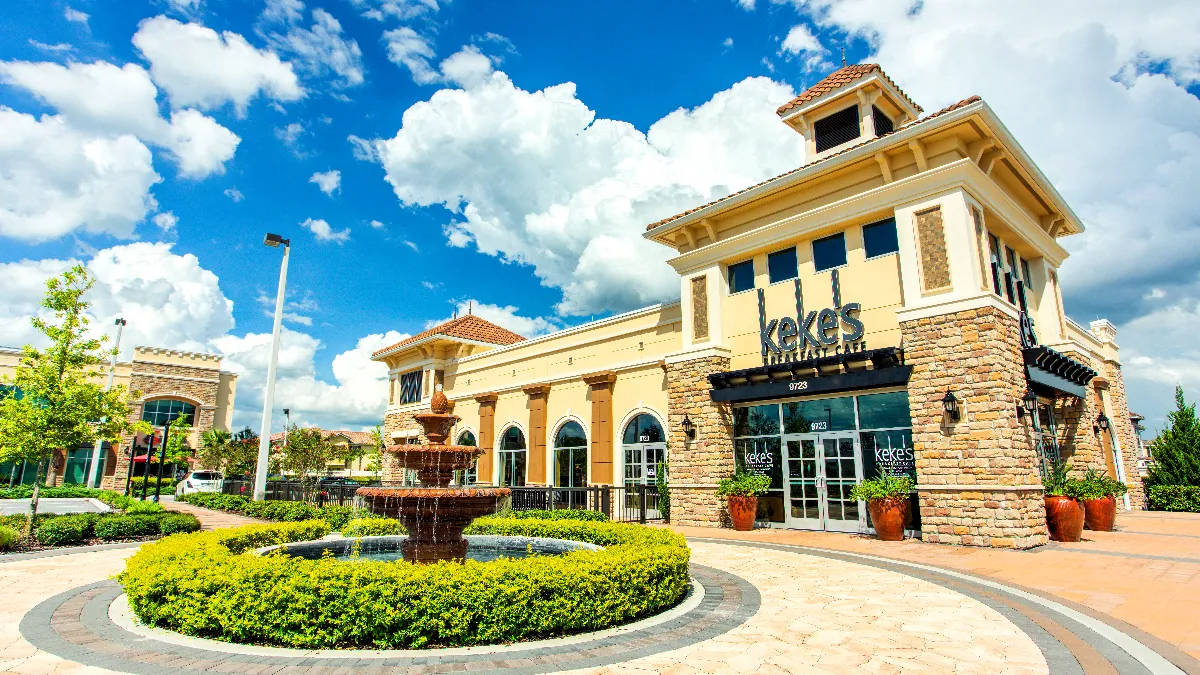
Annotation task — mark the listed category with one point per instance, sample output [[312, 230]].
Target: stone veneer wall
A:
[[1077, 441], [1122, 428], [390, 469], [978, 479], [696, 466], [160, 380]]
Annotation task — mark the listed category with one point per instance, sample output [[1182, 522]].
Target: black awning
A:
[[1051, 372], [842, 372]]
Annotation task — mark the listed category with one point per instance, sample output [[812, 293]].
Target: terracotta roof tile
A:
[[469, 327], [943, 111], [838, 79], [355, 437]]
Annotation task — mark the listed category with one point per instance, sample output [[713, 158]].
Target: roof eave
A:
[[392, 351], [911, 107], [788, 180]]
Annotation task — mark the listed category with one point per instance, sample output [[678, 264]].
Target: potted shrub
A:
[[887, 502], [1098, 492], [1064, 513], [741, 496]]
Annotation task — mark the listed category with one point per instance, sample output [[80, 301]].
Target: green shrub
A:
[[144, 508], [109, 528], [281, 510], [371, 527], [8, 537], [744, 485], [886, 486], [1175, 498], [64, 530], [556, 514], [1058, 481], [135, 485], [1098, 485], [198, 585], [174, 523], [338, 516]]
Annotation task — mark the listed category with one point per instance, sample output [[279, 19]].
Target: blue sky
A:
[[499, 176]]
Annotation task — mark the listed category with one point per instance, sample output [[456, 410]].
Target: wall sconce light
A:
[[1028, 404], [1102, 424], [689, 429], [950, 403]]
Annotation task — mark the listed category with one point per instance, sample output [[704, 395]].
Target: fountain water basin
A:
[[480, 548], [434, 514]]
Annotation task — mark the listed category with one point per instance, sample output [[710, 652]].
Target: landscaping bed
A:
[[206, 585]]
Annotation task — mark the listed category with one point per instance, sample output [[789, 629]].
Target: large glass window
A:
[[163, 411], [781, 265], [816, 415], [410, 387], [643, 429], [884, 411], [467, 476], [756, 420], [570, 456], [763, 456], [741, 276], [880, 238], [512, 458], [829, 252], [644, 446]]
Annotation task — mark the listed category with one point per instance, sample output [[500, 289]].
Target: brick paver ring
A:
[[76, 625]]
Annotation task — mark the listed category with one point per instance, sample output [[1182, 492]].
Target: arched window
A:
[[645, 447], [163, 411], [471, 475], [570, 456], [512, 458]]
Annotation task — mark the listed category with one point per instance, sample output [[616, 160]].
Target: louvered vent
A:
[[883, 123], [836, 129]]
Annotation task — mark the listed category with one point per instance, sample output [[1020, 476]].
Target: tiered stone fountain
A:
[[434, 514]]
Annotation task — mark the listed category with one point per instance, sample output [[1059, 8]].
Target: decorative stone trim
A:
[[979, 488]]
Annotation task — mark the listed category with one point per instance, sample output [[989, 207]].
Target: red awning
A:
[[140, 459]]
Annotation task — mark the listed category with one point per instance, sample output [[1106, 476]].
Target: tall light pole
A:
[[98, 450], [287, 424], [264, 438]]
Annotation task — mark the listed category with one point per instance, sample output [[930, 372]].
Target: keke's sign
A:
[[820, 333]]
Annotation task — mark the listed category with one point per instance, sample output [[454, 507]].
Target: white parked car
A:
[[199, 481]]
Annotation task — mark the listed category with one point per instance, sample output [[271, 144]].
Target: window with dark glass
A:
[[829, 252], [883, 123], [825, 414], [880, 238], [756, 420], [781, 265], [410, 387], [643, 429], [1010, 278], [741, 276], [838, 128], [996, 266], [757, 449], [570, 456], [163, 411], [512, 458], [1025, 276], [467, 476]]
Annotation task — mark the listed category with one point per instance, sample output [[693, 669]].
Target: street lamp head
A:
[[119, 322], [287, 411], [274, 240]]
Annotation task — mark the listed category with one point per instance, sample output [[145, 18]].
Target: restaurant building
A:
[[893, 303], [169, 383]]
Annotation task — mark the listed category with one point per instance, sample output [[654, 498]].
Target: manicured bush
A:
[[281, 511], [198, 585], [8, 537], [371, 527], [1175, 498], [109, 528], [556, 514], [144, 508], [64, 530], [135, 485], [174, 523], [277, 510], [1098, 485]]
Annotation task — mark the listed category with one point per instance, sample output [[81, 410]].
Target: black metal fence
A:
[[627, 504]]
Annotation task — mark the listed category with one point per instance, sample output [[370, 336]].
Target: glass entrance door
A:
[[821, 470]]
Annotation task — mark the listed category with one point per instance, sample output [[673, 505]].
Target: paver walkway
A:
[[1147, 573], [210, 519]]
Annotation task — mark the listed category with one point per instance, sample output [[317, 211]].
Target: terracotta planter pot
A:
[[741, 512], [888, 516], [1100, 514], [1064, 518]]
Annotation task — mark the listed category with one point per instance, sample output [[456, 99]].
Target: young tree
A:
[[214, 449], [1176, 451], [308, 451], [375, 465], [179, 447], [62, 403]]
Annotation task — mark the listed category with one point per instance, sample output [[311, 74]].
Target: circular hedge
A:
[[207, 585]]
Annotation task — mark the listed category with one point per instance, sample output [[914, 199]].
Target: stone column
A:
[[601, 432], [1122, 430], [695, 466], [977, 479], [537, 393], [487, 435]]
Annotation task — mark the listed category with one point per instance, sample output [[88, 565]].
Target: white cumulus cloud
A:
[[324, 232], [328, 181], [198, 67], [320, 49]]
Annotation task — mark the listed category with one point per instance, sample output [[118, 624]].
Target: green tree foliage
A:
[[307, 453], [63, 403], [179, 448], [1176, 451]]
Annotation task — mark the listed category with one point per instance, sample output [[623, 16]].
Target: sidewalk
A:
[[1147, 573], [210, 519]]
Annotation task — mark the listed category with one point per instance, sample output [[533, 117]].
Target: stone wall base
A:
[[997, 519], [697, 507]]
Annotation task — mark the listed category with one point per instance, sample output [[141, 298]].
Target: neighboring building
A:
[[1143, 446], [361, 441], [169, 383], [893, 303]]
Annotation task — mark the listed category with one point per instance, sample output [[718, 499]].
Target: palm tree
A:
[[214, 449]]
